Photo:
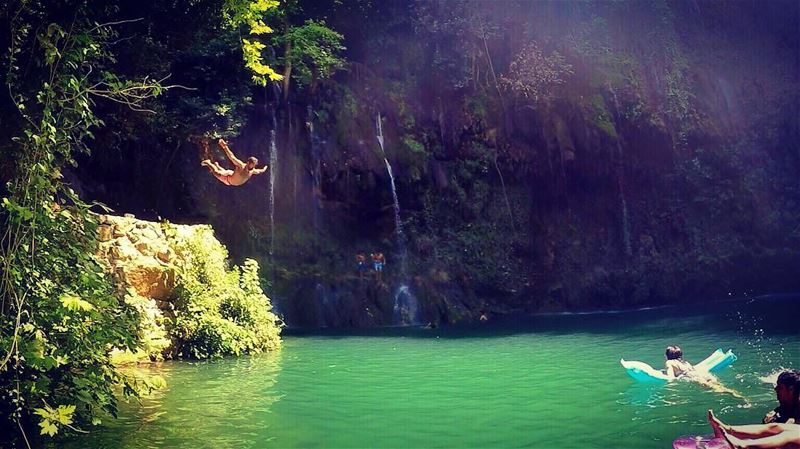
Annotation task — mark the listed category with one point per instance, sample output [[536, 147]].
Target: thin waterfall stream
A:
[[406, 307], [401, 240], [316, 169], [273, 165], [626, 222]]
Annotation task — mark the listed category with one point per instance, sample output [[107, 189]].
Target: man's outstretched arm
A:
[[258, 171], [232, 157]]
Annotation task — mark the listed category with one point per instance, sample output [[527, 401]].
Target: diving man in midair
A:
[[242, 171]]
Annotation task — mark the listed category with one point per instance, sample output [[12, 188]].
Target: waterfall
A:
[[273, 165], [397, 222], [406, 308], [626, 222], [379, 127], [316, 174], [401, 240], [405, 311]]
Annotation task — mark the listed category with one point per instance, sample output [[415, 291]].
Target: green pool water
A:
[[540, 382]]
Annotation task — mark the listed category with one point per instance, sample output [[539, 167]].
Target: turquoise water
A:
[[544, 382]]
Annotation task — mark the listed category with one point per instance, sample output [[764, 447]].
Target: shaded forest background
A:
[[547, 155]]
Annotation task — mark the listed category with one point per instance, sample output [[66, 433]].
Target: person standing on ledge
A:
[[242, 171], [378, 262], [361, 264]]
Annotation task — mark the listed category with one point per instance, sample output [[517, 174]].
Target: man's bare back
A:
[[242, 171]]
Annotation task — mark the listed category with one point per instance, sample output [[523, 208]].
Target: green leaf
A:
[[74, 303], [48, 428], [64, 414]]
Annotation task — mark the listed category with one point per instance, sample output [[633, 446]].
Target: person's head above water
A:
[[787, 388], [674, 353], [252, 162]]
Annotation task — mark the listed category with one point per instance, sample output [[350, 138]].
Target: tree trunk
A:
[[503, 185]]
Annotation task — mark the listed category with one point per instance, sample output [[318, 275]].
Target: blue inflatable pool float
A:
[[645, 373]]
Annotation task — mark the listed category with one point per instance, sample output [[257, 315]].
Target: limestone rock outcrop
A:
[[137, 252], [139, 257]]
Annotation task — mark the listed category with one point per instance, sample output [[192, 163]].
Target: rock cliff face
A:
[[139, 256], [660, 170]]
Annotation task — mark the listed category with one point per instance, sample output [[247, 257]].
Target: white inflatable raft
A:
[[645, 373]]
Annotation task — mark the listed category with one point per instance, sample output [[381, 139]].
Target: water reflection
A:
[[197, 409]]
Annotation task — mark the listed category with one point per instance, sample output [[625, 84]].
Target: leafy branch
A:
[[58, 312], [252, 14]]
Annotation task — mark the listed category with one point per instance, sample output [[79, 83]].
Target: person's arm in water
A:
[[232, 157], [258, 171]]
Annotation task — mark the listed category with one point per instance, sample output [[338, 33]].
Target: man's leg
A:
[[218, 172], [749, 430], [759, 430], [222, 177], [209, 163], [786, 440]]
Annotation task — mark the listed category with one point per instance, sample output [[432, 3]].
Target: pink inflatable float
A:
[[700, 442]]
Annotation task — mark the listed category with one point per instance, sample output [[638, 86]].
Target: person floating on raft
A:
[[675, 365], [677, 368], [242, 171]]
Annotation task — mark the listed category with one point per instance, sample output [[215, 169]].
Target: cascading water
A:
[[401, 240], [406, 308], [316, 169], [405, 311], [398, 224], [273, 169], [626, 222]]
